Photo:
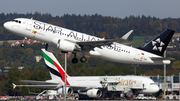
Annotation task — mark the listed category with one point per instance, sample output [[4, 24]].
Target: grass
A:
[[137, 41], [1, 42]]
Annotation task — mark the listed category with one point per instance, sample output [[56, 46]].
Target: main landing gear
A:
[[82, 59], [24, 40]]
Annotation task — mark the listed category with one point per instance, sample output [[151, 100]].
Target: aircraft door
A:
[[29, 24], [137, 55]]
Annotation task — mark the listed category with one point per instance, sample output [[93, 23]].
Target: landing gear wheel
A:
[[24, 41], [74, 60], [83, 59], [22, 45]]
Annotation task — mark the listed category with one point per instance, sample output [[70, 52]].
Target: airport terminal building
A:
[[172, 82]]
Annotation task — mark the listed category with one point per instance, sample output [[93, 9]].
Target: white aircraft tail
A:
[[55, 68]]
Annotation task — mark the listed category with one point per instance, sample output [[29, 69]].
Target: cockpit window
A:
[[18, 21], [15, 20]]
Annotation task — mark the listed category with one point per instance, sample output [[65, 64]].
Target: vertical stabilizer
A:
[[159, 44], [55, 68]]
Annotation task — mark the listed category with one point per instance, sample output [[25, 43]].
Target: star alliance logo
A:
[[158, 44]]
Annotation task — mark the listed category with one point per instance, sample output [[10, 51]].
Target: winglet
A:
[[127, 35], [14, 85]]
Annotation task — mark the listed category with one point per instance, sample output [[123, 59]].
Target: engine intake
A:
[[69, 91], [94, 93], [60, 45], [52, 48], [65, 45]]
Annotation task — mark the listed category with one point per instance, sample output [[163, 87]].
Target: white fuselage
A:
[[124, 81], [46, 33]]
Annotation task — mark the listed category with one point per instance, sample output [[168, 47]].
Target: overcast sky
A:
[[114, 8]]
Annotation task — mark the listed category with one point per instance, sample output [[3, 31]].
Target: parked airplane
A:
[[85, 85], [59, 40]]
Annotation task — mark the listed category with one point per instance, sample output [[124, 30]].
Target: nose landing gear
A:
[[24, 40]]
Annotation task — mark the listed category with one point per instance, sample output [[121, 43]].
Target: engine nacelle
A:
[[94, 93], [64, 45], [69, 91], [52, 48]]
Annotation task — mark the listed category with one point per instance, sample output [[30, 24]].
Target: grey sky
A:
[[114, 8]]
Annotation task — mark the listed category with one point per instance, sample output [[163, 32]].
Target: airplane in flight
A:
[[84, 85], [60, 40]]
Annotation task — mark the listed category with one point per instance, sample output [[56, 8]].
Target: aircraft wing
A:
[[76, 88], [51, 86], [104, 42]]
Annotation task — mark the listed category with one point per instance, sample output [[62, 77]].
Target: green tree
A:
[[3, 87], [27, 75], [176, 64], [14, 76]]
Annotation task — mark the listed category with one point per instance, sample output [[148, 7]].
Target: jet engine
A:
[[52, 48], [69, 91], [94, 93], [61, 45], [65, 45]]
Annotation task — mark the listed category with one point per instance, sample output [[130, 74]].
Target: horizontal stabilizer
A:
[[41, 86], [160, 58], [14, 85], [37, 82]]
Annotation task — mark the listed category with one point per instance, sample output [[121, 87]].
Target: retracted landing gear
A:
[[24, 40]]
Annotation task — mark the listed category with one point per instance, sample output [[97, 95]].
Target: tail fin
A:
[[159, 44], [55, 68], [14, 85]]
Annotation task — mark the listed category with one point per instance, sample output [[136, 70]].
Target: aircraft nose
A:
[[7, 25], [156, 88]]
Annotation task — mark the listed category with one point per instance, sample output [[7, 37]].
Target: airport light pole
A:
[[164, 75], [65, 77], [135, 68], [179, 86], [165, 71]]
